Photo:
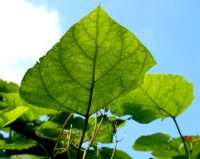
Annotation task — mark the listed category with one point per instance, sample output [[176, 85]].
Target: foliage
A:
[[78, 92]]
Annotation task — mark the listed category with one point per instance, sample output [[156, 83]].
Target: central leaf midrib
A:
[[94, 67]]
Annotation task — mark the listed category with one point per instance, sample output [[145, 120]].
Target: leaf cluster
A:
[[80, 91]]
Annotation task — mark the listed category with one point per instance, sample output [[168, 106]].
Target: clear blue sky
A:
[[170, 29]]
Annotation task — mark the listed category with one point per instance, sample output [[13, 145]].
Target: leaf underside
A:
[[159, 96], [95, 62]]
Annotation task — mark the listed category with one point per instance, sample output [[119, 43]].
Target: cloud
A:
[[27, 32]]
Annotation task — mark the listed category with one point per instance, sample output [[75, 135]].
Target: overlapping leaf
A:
[[13, 100], [95, 62], [160, 96]]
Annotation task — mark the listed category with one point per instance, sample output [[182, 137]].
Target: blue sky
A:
[[170, 29]]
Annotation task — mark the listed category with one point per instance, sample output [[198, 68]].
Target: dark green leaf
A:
[[95, 62], [152, 142], [19, 144], [8, 87], [26, 156], [107, 153]]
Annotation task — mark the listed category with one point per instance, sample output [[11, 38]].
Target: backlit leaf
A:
[[10, 116], [13, 100], [160, 96], [94, 63]]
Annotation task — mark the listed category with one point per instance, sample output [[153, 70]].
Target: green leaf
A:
[[164, 147], [9, 117], [107, 153], [117, 122], [26, 156], [19, 144], [8, 87], [152, 142], [95, 62], [160, 96], [105, 133], [13, 100], [51, 130]]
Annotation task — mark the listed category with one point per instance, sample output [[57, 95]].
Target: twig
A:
[[83, 135], [63, 127], [45, 151], [179, 131], [116, 142], [96, 129]]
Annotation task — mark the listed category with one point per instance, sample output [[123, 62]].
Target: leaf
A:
[[49, 130], [13, 100], [160, 96], [9, 117], [8, 87], [107, 153], [158, 141], [105, 133], [164, 147], [26, 156], [117, 122], [19, 144], [94, 63]]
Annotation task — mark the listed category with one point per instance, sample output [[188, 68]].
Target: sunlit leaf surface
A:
[[95, 62], [160, 96]]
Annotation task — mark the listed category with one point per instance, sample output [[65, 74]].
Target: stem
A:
[[96, 129], [113, 153], [84, 131], [179, 131], [63, 127]]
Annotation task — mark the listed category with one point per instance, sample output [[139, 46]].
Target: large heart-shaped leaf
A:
[[95, 62], [160, 96]]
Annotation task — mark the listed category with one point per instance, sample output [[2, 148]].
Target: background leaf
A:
[[95, 62], [160, 96], [10, 116], [19, 144], [13, 100], [163, 146], [26, 156]]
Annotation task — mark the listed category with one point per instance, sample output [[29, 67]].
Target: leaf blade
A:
[[160, 96], [94, 63]]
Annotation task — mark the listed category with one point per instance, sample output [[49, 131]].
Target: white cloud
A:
[[26, 33]]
